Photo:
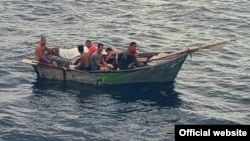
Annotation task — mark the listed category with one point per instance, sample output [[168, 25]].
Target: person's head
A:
[[43, 41], [108, 50], [132, 48], [80, 48], [132, 44], [100, 48], [88, 43]]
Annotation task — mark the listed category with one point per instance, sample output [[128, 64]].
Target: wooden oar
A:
[[211, 46], [215, 46]]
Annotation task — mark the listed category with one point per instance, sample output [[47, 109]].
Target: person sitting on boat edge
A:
[[40, 53], [67, 57], [97, 61], [127, 59], [112, 57]]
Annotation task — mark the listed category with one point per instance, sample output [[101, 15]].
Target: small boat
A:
[[160, 67]]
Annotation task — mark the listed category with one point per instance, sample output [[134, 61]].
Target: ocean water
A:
[[212, 87]]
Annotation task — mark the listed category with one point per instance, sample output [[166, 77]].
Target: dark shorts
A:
[[86, 68], [83, 68], [44, 62]]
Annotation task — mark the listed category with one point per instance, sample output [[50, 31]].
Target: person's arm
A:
[[100, 64], [136, 62], [108, 56], [54, 50], [104, 62], [40, 55], [110, 66]]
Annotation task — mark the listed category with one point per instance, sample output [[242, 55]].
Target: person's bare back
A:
[[85, 59]]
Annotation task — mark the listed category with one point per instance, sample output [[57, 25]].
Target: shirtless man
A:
[[40, 53], [85, 56], [111, 53], [84, 59], [112, 57]]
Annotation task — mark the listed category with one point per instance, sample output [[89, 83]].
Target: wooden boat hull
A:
[[162, 67], [157, 71]]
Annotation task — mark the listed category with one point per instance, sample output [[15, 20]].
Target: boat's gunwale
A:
[[110, 71]]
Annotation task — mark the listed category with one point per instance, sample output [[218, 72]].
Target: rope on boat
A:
[[189, 52]]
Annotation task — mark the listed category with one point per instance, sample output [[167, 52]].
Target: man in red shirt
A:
[[92, 48]]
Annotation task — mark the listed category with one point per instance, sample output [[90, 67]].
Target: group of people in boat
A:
[[88, 57]]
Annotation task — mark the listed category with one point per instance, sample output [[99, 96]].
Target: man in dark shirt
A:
[[127, 59]]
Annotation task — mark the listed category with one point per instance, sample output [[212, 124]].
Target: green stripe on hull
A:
[[112, 78]]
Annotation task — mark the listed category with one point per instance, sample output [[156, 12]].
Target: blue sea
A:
[[212, 87]]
